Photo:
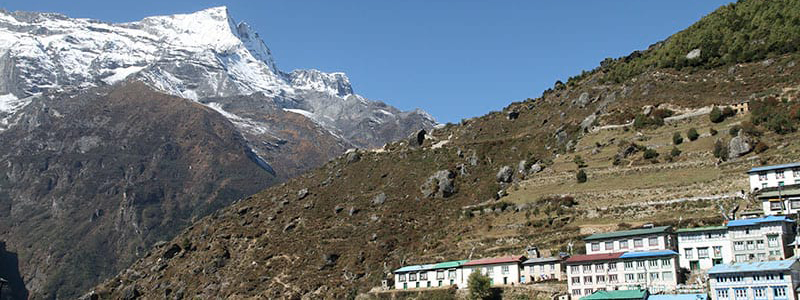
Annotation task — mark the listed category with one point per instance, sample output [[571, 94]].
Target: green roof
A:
[[776, 194], [707, 228], [619, 295], [450, 264], [633, 232]]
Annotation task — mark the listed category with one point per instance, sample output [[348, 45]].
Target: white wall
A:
[[654, 285], [747, 282], [664, 243], [772, 178], [431, 278], [497, 276], [686, 243]]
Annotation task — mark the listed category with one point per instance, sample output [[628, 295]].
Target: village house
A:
[[741, 107], [761, 239], [702, 248], [643, 239], [654, 271], [772, 280], [500, 270], [429, 275], [542, 268], [777, 187], [774, 176]]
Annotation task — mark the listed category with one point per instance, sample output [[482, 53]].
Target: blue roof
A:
[[750, 222], [774, 167], [648, 254], [679, 297], [775, 265]]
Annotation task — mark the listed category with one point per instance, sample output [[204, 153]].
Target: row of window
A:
[[417, 284], [772, 242], [780, 174], [702, 236], [541, 268], [589, 291], [756, 278], [489, 271], [623, 244], [759, 292], [629, 277], [778, 205], [702, 252], [424, 276], [629, 265], [773, 255]]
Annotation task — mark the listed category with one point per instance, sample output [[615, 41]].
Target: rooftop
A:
[[541, 260], [775, 265], [776, 192], [632, 232], [697, 229], [648, 254], [495, 260], [621, 294], [441, 265], [774, 167], [593, 257], [678, 297], [756, 221]]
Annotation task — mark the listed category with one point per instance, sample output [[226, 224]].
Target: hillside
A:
[[493, 185]]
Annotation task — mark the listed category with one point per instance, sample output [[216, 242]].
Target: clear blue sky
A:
[[454, 59]]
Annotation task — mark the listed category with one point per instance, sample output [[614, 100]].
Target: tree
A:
[[480, 286], [720, 150], [716, 115], [581, 176], [675, 152], [650, 153], [677, 139], [692, 134]]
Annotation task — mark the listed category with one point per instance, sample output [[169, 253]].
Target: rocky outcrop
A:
[[741, 145], [440, 185], [505, 174]]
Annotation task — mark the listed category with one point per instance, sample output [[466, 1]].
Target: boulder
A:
[[416, 139], [338, 209], [352, 156], [513, 115], [740, 145], [522, 167], [302, 194], [379, 199], [535, 168], [505, 174], [353, 210], [440, 185], [695, 53], [170, 253], [588, 122]]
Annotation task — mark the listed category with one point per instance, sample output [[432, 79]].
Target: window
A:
[[628, 265], [722, 293], [638, 243], [451, 274], [601, 279], [717, 251], [423, 276], [609, 246], [795, 204], [612, 266], [576, 292], [587, 279], [666, 275], [653, 241], [598, 268], [640, 264], [552, 267], [612, 278], [429, 284], [587, 291], [741, 257], [702, 252], [440, 275], [796, 172], [666, 262], [738, 246], [751, 245], [401, 277], [595, 247], [489, 271], [762, 176], [688, 253], [780, 174], [772, 241], [740, 294], [574, 269], [504, 269], [641, 276], [761, 256], [779, 291], [760, 292], [587, 268], [412, 277], [775, 205], [653, 263], [628, 277], [576, 280], [417, 283], [654, 276], [623, 244]]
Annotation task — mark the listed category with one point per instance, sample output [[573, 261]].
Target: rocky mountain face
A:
[[99, 161]]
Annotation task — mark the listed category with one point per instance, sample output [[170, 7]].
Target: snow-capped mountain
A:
[[195, 56]]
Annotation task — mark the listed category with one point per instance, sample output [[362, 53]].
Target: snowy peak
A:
[[210, 28], [256, 45], [336, 84]]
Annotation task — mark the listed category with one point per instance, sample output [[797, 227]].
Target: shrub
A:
[[716, 115], [692, 134], [642, 121], [748, 128], [675, 152], [662, 113], [677, 139], [579, 161], [712, 131], [761, 147], [480, 286], [650, 153], [720, 150], [734, 131], [581, 176], [775, 115]]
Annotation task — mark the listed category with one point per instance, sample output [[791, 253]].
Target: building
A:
[[774, 176], [702, 248], [501, 270], [643, 239], [761, 239], [772, 280], [542, 268], [655, 271], [678, 297], [429, 275], [617, 295], [741, 107], [780, 200]]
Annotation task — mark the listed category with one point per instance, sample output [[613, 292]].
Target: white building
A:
[[772, 280], [702, 248], [430, 275], [774, 176], [501, 270], [655, 271], [542, 268], [643, 239], [761, 239]]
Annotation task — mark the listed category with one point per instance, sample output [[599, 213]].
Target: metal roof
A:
[[450, 264], [620, 294], [540, 260], [495, 260], [648, 254], [756, 221], [441, 265], [594, 257], [774, 167], [775, 265], [633, 232], [678, 297], [696, 229]]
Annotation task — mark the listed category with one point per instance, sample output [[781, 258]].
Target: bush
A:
[[748, 128], [677, 139], [662, 113], [712, 131], [581, 176], [480, 286], [777, 116], [675, 152], [734, 131], [720, 150], [579, 161], [642, 121], [761, 147], [692, 134], [716, 115], [650, 153]]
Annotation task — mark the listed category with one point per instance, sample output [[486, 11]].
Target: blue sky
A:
[[454, 59]]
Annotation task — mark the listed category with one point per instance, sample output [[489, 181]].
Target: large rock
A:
[[587, 123], [583, 100], [379, 199], [505, 174], [440, 185], [416, 139], [740, 145]]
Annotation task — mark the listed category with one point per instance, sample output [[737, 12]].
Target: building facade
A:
[[654, 271], [429, 275], [542, 268], [761, 239], [643, 239], [704, 247], [500, 270], [774, 176], [772, 280]]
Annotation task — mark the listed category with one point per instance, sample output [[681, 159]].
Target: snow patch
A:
[[303, 112], [121, 73], [243, 123]]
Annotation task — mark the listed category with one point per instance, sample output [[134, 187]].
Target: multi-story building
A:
[[702, 248], [761, 239], [501, 270], [429, 275], [542, 268], [643, 239], [655, 271], [771, 280], [774, 176]]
